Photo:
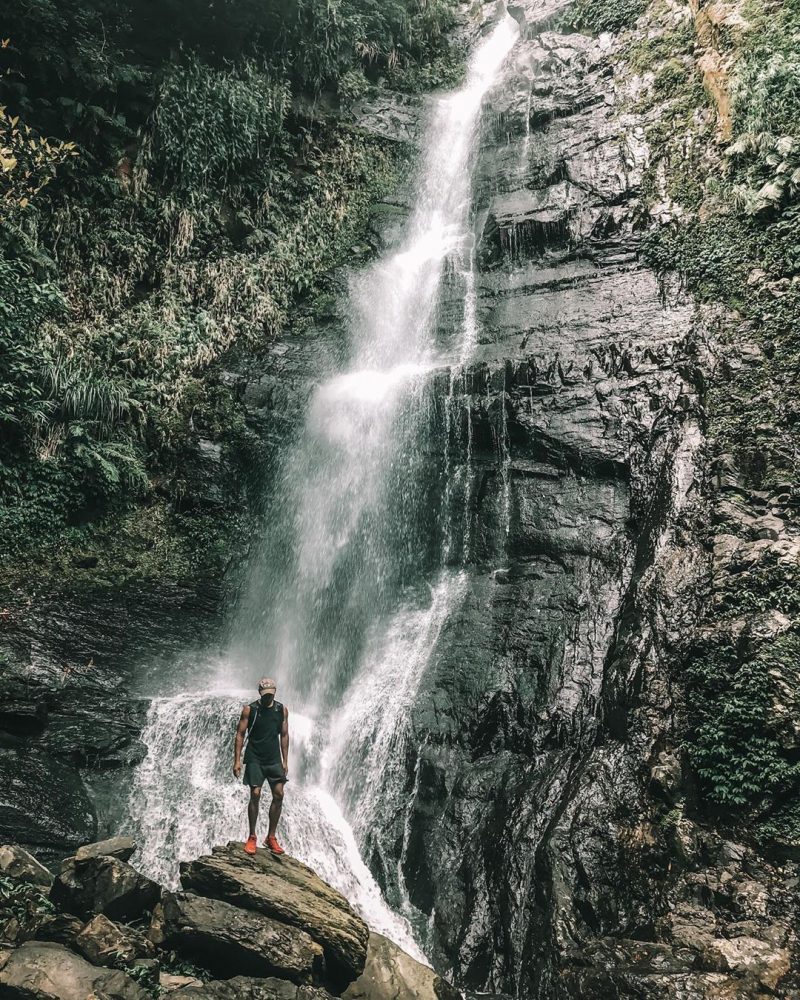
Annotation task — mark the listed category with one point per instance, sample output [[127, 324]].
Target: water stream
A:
[[362, 566]]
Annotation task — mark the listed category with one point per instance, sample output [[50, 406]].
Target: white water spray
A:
[[338, 606]]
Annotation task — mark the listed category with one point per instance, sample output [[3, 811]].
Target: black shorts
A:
[[256, 773]]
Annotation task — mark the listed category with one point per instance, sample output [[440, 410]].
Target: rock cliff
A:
[[554, 838]]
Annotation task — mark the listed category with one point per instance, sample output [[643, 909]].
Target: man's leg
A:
[[252, 808], [275, 808]]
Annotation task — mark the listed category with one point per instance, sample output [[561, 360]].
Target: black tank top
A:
[[264, 741]]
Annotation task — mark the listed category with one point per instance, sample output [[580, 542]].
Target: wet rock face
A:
[[69, 716], [575, 435], [545, 836]]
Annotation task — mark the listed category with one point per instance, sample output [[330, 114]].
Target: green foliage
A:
[[177, 966], [210, 126], [598, 16], [769, 168], [670, 76], [171, 964], [765, 156], [26, 302], [27, 162], [22, 907], [325, 38], [651, 51], [198, 216], [738, 748]]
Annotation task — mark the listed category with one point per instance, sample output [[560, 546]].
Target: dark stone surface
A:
[[391, 974], [285, 890], [244, 988], [543, 833], [114, 847], [18, 864], [67, 705], [42, 970], [105, 942], [104, 885], [43, 803], [230, 941]]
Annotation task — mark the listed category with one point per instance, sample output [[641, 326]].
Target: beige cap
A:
[[267, 684]]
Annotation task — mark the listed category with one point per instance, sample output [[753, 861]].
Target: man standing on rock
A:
[[266, 724]]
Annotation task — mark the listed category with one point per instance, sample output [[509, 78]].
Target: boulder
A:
[[40, 970], [104, 885], [115, 847], [229, 941], [242, 988], [391, 974], [62, 928], [18, 864], [104, 942], [288, 891]]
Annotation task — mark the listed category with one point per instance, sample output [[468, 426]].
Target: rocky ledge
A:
[[242, 928]]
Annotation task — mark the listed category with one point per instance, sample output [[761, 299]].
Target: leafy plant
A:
[[771, 166], [603, 15], [211, 125], [738, 748], [22, 902], [27, 161]]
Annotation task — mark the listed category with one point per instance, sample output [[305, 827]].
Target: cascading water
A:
[[361, 569]]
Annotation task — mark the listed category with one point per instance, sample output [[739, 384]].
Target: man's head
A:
[[266, 688]]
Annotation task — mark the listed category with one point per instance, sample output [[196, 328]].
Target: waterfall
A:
[[356, 580]]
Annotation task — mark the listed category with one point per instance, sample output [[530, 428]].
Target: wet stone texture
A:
[[544, 841], [69, 715]]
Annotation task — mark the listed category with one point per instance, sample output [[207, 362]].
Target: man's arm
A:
[[285, 741], [241, 729]]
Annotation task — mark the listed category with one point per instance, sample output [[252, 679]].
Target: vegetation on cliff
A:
[[722, 193], [163, 205]]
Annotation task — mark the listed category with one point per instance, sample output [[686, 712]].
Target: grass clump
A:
[[597, 16]]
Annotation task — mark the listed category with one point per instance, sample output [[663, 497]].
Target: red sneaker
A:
[[273, 845], [251, 845]]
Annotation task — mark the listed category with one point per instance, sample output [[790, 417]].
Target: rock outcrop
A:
[[303, 901], [548, 727], [18, 864], [104, 884], [252, 928], [242, 988], [229, 940]]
